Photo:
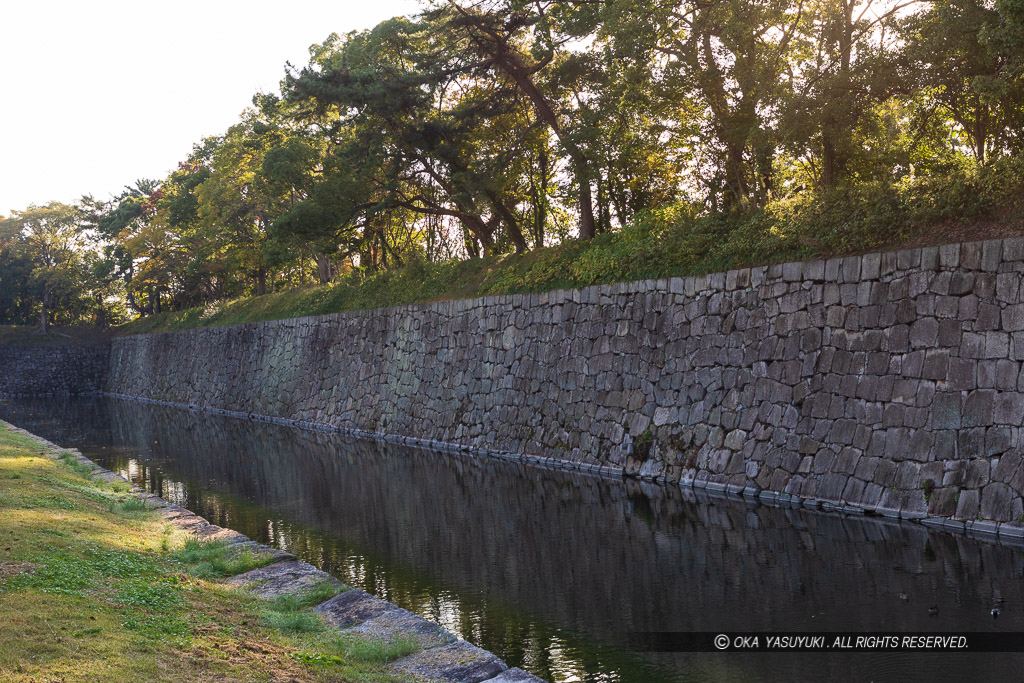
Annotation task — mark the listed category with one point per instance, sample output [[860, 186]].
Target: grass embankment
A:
[[95, 586], [960, 205]]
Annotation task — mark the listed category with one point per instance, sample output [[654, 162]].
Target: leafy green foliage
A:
[[463, 150], [676, 240], [57, 574], [156, 595]]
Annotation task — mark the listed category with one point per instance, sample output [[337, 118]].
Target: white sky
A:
[[96, 94]]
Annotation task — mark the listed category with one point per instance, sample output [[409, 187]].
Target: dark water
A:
[[552, 571]]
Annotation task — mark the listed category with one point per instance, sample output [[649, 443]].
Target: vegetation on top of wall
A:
[[686, 137], [972, 204]]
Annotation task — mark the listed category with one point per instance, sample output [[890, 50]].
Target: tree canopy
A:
[[502, 126]]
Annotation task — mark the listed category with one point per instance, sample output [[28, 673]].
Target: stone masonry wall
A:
[[63, 369], [885, 382]]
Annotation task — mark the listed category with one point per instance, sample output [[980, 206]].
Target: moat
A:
[[553, 570]]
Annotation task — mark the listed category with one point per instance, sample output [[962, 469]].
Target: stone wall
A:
[[885, 382], [53, 370]]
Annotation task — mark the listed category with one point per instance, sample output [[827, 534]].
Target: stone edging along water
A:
[[441, 657]]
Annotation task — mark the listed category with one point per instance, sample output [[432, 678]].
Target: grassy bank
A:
[[962, 205], [95, 586]]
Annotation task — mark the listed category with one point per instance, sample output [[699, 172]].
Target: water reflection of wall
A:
[[593, 556], [551, 541]]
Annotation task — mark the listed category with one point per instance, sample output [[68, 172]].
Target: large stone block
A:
[[1000, 503], [968, 502], [283, 578], [459, 662]]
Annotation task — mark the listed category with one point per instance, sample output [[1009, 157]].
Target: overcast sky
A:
[[96, 94]]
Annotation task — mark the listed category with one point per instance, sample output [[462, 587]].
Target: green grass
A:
[[321, 592], [291, 612], [129, 504], [217, 559], [375, 650], [70, 460], [372, 651], [301, 622], [93, 589]]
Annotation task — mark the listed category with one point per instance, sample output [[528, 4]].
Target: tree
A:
[[17, 298], [415, 133], [52, 239], [730, 58], [516, 41], [135, 249], [967, 58], [844, 63]]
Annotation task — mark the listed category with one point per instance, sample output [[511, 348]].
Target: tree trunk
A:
[[604, 216], [506, 57], [470, 242], [510, 221], [736, 186], [324, 269], [261, 281], [44, 314], [586, 206], [541, 213], [828, 161], [980, 133]]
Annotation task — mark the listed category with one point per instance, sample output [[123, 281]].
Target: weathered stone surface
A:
[[263, 551], [53, 370], [282, 578], [942, 502], [212, 532], [108, 476], [967, 505], [458, 662], [191, 523], [1000, 503], [397, 623], [353, 607]]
